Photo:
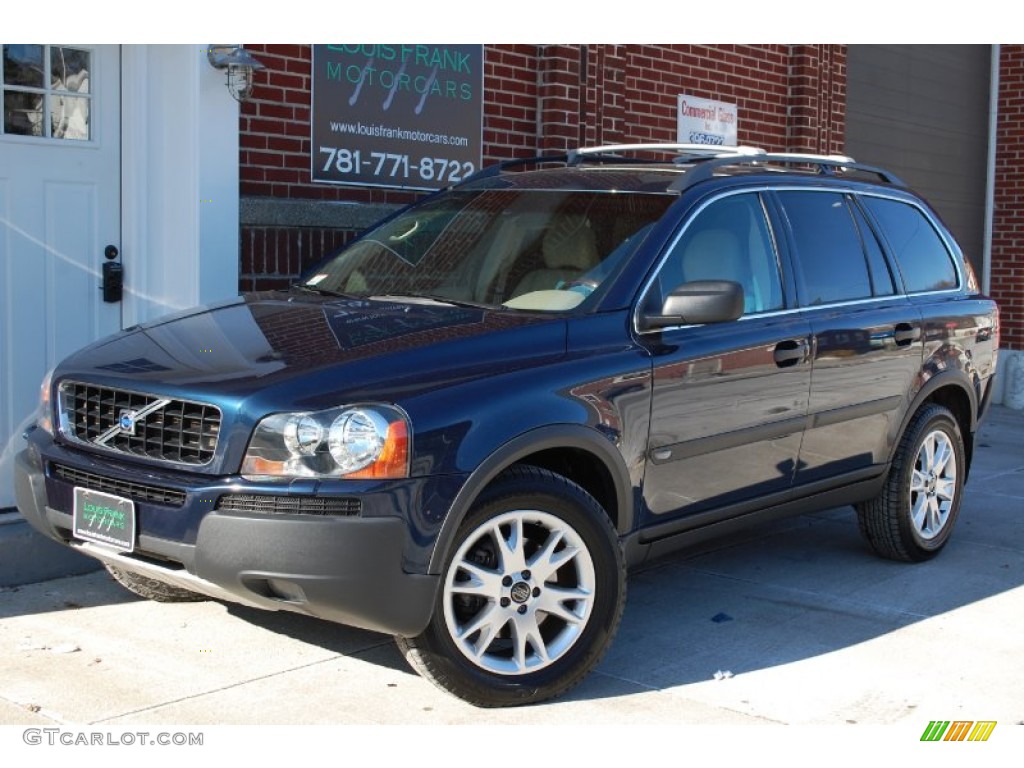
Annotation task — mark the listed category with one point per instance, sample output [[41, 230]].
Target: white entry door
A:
[[60, 181]]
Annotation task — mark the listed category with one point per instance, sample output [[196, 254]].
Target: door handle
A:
[[790, 352], [113, 276], [905, 334]]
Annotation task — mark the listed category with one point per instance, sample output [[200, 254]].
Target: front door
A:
[[60, 198], [730, 399]]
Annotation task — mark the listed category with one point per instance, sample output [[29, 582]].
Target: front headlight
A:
[[355, 442], [44, 420]]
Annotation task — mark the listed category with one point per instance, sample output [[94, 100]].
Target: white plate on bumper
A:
[[105, 519]]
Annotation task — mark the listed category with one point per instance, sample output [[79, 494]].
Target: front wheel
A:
[[913, 517], [532, 594]]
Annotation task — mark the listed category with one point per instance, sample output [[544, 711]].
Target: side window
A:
[[923, 259], [728, 240], [828, 248]]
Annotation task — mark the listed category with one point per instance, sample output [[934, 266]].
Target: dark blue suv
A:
[[463, 427]]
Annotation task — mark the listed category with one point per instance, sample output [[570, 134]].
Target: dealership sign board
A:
[[407, 116], [703, 121]]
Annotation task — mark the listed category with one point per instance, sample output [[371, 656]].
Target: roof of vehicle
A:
[[662, 168]]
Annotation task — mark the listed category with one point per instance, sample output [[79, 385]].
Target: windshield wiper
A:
[[426, 297]]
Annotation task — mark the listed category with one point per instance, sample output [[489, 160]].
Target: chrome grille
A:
[[147, 426], [293, 505], [168, 497]]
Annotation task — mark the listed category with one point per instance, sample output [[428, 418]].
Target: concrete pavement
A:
[[798, 622]]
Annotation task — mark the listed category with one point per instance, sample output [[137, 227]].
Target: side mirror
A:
[[702, 301]]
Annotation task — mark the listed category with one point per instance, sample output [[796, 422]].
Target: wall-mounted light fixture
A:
[[239, 64]]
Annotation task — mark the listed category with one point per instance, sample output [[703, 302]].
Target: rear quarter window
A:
[[922, 257]]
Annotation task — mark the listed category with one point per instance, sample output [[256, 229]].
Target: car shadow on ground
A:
[[327, 635]]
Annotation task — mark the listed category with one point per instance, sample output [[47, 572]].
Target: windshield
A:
[[522, 249]]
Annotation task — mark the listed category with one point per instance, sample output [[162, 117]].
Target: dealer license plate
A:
[[105, 519]]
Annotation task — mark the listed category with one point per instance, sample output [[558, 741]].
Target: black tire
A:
[[913, 517], [151, 589], [523, 653]]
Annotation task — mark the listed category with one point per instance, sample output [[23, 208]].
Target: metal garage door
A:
[[922, 111]]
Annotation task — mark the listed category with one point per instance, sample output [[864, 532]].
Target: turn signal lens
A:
[[45, 418], [393, 460]]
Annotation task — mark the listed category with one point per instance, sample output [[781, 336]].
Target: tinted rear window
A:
[[829, 248], [924, 261]]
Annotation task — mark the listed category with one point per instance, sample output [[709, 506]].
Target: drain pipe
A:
[[990, 181]]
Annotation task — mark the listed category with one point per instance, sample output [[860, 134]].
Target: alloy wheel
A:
[[933, 484], [519, 592]]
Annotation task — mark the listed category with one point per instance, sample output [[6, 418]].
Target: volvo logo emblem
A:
[[521, 592], [126, 421]]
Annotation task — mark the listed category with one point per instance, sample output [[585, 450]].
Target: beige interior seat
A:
[[716, 254], [569, 249]]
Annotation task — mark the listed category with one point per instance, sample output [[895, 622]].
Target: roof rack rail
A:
[[693, 151], [576, 156], [812, 158], [827, 165], [706, 159]]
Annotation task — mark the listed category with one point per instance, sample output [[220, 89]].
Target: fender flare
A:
[[954, 378], [540, 439]]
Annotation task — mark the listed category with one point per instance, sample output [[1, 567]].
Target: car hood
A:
[[280, 350]]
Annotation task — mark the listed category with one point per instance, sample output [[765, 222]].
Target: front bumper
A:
[[344, 569]]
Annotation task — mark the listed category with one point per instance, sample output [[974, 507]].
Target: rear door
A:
[[867, 335]]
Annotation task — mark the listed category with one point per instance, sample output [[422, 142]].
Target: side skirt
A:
[[664, 538]]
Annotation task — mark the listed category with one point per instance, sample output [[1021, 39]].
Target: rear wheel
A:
[[913, 517], [532, 594], [151, 589]]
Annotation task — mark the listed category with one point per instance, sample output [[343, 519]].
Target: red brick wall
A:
[[510, 101], [817, 99], [752, 77], [540, 99], [1008, 219], [272, 257], [789, 97]]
